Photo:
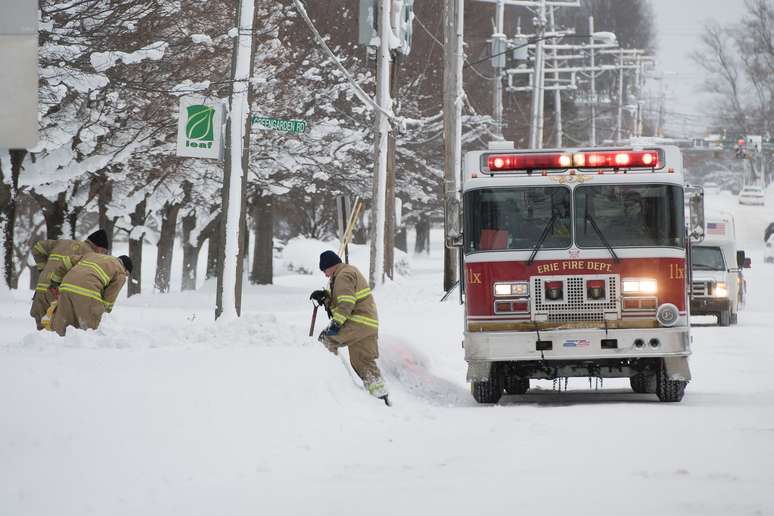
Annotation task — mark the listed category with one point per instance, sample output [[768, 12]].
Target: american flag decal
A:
[[716, 228]]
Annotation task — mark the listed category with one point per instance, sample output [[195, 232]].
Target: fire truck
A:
[[576, 264]]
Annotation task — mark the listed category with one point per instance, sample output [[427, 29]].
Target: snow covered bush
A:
[[302, 256]]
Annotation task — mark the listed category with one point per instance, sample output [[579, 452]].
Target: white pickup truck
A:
[[717, 283]]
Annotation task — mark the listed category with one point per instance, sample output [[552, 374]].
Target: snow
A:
[[102, 61], [162, 411], [201, 39], [188, 86]]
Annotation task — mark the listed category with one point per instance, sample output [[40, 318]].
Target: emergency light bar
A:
[[564, 160]]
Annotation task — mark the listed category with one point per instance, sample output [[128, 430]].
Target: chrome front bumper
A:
[[484, 348]]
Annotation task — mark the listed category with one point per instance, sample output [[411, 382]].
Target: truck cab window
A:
[[637, 215], [514, 218]]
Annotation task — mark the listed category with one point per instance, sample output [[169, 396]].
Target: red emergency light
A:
[[564, 160], [503, 162]]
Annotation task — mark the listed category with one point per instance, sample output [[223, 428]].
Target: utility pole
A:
[[536, 110], [381, 144], [593, 102], [389, 225], [499, 46], [230, 259], [620, 95], [557, 92], [452, 124]]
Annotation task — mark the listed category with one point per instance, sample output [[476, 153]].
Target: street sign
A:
[[276, 124], [200, 127]]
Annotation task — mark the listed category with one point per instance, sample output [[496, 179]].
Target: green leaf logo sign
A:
[[200, 123]]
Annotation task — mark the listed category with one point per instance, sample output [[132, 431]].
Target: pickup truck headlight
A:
[[515, 289], [639, 286], [720, 289]]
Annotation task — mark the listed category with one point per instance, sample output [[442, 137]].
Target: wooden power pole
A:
[[452, 123]]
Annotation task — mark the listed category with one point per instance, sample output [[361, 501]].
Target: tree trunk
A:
[[263, 247], [135, 249], [190, 252], [401, 239], [8, 196], [212, 249], [421, 244], [104, 198], [53, 213], [166, 245]]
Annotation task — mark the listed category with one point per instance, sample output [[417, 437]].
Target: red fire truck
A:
[[575, 265]]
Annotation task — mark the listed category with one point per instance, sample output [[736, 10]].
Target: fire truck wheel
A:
[[489, 391], [516, 385], [724, 318], [666, 389], [643, 384]]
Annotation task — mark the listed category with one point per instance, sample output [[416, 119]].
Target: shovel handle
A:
[[314, 319]]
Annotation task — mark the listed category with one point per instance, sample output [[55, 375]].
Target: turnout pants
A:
[[78, 311], [362, 355], [40, 303]]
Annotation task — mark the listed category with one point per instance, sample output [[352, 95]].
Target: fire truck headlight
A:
[[640, 286], [667, 314], [720, 289], [518, 289]]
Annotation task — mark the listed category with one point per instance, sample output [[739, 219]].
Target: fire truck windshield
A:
[[515, 218], [638, 215]]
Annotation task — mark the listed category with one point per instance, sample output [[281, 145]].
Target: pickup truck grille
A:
[[701, 288], [574, 307]]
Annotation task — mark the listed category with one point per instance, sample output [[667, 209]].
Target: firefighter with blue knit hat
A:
[[354, 321]]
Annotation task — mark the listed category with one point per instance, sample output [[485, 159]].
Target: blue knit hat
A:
[[328, 259]]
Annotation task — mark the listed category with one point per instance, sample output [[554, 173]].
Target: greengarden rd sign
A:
[[276, 124]]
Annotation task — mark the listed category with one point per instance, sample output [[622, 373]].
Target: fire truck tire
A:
[[516, 385], [666, 389], [643, 384], [489, 391], [724, 318]]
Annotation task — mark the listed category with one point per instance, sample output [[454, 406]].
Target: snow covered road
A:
[[164, 412]]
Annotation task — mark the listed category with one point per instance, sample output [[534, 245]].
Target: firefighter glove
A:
[[329, 344], [320, 296], [333, 329]]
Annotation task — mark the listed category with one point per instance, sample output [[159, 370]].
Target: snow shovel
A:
[[314, 319]]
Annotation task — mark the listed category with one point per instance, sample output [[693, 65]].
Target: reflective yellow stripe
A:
[[42, 288], [96, 268], [346, 299], [362, 294], [64, 259], [366, 321], [339, 317], [75, 289], [56, 278], [375, 387], [39, 248]]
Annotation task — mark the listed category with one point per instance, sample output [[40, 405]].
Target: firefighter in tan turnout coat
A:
[[89, 290], [53, 258], [354, 321]]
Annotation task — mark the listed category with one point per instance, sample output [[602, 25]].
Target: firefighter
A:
[[53, 258], [354, 321], [89, 290]]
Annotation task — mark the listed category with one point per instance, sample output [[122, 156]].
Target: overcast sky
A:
[[678, 26]]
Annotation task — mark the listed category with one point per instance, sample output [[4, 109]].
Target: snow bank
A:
[[302, 256]]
